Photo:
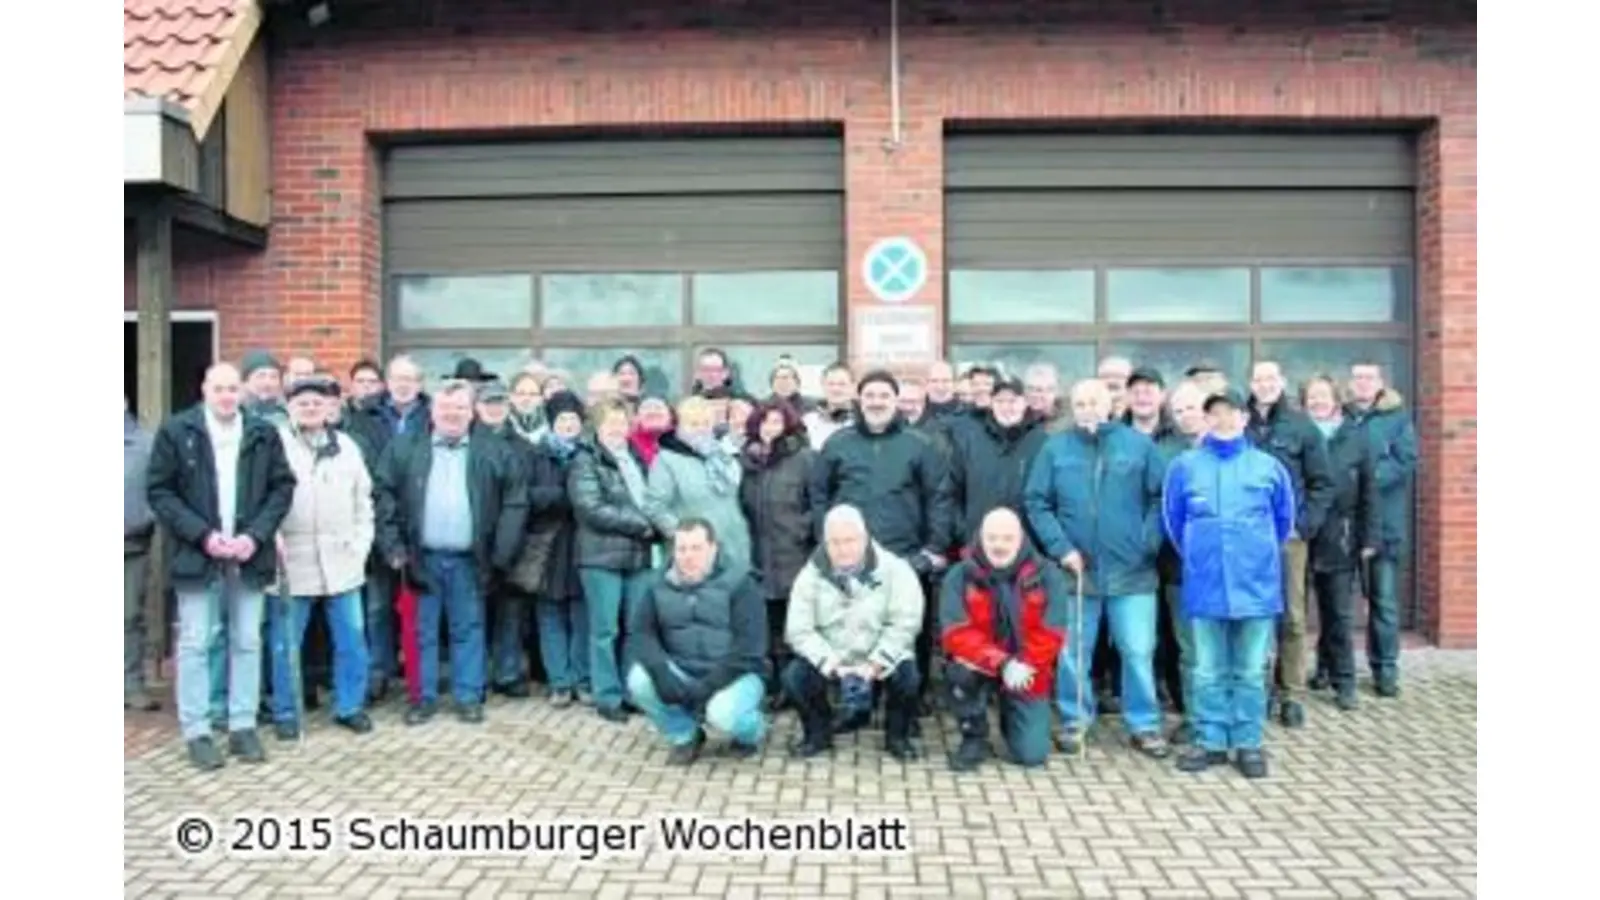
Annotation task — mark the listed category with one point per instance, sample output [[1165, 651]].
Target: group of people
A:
[[890, 544]]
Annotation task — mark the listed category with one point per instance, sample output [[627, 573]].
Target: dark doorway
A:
[[193, 343]]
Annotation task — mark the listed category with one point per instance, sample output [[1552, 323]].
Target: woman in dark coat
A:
[[548, 567], [606, 484], [773, 495], [1347, 538]]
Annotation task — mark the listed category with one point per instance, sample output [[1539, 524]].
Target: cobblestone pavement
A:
[[1377, 803]]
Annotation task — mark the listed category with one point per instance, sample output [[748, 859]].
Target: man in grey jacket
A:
[[138, 527], [854, 614]]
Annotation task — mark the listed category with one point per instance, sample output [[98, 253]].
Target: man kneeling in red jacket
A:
[[1003, 619]]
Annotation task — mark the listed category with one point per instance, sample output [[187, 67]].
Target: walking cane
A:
[[1077, 652], [285, 601]]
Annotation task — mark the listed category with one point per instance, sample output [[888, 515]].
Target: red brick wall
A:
[[481, 67]]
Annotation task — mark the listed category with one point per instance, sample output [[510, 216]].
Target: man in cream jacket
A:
[[323, 545], [854, 614]]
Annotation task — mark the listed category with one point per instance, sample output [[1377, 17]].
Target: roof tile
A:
[[172, 48]]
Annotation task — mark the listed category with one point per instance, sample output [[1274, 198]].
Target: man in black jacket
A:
[[451, 507], [1289, 435], [989, 459], [699, 643], [220, 484], [895, 475]]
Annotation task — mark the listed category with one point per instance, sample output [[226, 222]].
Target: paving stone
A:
[[1376, 803]]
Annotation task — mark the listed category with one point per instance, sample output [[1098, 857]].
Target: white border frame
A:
[[208, 316]]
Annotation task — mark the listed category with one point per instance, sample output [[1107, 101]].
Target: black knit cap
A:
[[563, 401], [882, 376]]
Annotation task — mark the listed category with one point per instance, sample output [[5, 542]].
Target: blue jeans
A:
[[200, 627], [1133, 631], [344, 615], [1383, 620], [1230, 681], [610, 597], [508, 640], [380, 628], [217, 660], [564, 642], [453, 592], [735, 710]]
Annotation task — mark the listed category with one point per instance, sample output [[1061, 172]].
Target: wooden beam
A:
[[153, 263], [191, 212]]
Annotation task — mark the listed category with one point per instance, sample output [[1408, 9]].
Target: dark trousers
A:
[[1336, 654], [777, 647], [807, 691], [1169, 656], [927, 637], [1024, 721]]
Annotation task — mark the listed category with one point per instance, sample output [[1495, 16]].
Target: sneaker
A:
[[561, 699], [1252, 764], [247, 746], [970, 755], [358, 722], [1198, 759], [286, 731], [613, 714], [203, 754], [584, 697], [1345, 699], [1151, 744], [1069, 742], [1387, 688], [1292, 714], [420, 714], [472, 713]]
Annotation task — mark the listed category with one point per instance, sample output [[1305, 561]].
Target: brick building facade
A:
[[342, 91]]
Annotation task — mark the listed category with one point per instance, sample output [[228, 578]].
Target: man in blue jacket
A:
[[1229, 509], [1380, 412], [1093, 499]]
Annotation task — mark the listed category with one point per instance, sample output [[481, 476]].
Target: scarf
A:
[[632, 473], [529, 426], [850, 580], [646, 443], [322, 443], [561, 448], [1329, 427], [1007, 586]]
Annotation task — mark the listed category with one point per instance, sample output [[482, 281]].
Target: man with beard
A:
[[1003, 620], [989, 459], [895, 476]]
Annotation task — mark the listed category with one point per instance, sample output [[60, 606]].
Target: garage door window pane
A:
[[753, 364], [663, 366], [438, 364], [980, 297], [766, 298], [429, 302], [610, 301], [1183, 296], [1073, 361], [1304, 358], [1173, 358], [1304, 294]]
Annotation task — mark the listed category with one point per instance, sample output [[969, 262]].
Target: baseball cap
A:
[[1230, 396]]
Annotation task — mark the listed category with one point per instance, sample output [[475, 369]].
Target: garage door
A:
[[1173, 249], [580, 251]]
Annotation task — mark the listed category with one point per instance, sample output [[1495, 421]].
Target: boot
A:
[[970, 755]]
